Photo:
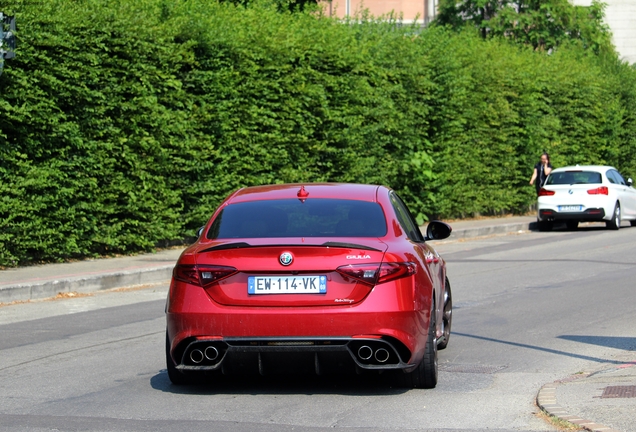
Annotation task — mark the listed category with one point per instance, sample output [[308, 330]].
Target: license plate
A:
[[570, 208], [287, 285]]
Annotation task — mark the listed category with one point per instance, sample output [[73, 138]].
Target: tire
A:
[[425, 375], [545, 225], [572, 225], [632, 222], [615, 223], [176, 377], [447, 316]]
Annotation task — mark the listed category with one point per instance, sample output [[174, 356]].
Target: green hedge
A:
[[501, 106], [124, 123]]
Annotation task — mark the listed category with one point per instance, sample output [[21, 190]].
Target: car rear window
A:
[[574, 177], [293, 218]]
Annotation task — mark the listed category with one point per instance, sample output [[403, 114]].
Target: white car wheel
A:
[[615, 223]]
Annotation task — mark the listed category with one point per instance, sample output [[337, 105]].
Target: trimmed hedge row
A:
[[501, 107], [124, 123]]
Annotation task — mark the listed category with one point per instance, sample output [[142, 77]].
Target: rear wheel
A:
[[425, 375], [615, 223], [632, 222], [447, 317], [572, 224]]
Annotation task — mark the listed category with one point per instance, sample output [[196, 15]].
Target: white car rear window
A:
[[574, 177]]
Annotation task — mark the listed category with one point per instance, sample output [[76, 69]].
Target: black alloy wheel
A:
[[447, 316]]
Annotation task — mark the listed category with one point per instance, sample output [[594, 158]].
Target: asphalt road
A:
[[529, 309]]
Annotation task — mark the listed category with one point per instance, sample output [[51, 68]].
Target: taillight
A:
[[603, 190], [375, 274], [392, 271], [202, 275], [364, 272], [545, 192]]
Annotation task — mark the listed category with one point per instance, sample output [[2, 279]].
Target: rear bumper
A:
[[283, 354], [590, 214], [325, 333]]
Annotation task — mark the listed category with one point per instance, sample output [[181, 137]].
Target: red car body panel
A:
[[397, 310], [231, 292]]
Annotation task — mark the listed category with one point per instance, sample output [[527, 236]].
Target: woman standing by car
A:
[[541, 171]]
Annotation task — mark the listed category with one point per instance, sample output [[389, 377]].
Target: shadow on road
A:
[[624, 343], [585, 339], [346, 385], [588, 226]]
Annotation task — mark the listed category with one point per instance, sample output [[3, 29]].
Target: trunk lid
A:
[[575, 195], [263, 280]]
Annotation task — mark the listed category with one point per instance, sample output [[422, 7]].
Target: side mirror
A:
[[200, 231], [437, 230], [630, 181]]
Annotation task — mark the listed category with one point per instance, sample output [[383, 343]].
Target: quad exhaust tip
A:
[[365, 352], [381, 355], [196, 356], [211, 353], [204, 354]]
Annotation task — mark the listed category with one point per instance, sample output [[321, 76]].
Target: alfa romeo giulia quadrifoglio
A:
[[311, 278]]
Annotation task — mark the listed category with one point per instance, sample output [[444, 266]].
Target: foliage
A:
[[122, 129], [542, 24], [501, 107], [90, 116], [124, 123], [281, 5]]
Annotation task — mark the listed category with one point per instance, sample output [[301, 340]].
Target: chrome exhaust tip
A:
[[365, 352], [196, 356], [211, 353], [381, 355]]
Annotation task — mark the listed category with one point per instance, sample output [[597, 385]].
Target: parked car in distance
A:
[[310, 278], [586, 193]]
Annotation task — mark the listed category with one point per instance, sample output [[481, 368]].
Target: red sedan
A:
[[315, 277]]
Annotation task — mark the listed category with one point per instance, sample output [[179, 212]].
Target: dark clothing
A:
[[541, 176]]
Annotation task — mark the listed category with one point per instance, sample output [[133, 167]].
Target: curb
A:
[[546, 400], [491, 230], [85, 284]]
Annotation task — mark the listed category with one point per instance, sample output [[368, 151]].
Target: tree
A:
[[476, 12], [542, 24]]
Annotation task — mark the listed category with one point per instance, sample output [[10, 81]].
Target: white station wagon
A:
[[586, 193]]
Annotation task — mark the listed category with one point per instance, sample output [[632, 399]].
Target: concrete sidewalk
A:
[[600, 399], [43, 281]]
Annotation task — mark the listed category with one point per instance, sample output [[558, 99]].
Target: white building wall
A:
[[620, 16]]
